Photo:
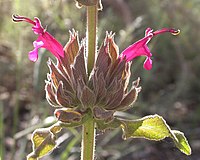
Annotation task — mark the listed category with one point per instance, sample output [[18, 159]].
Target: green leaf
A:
[[181, 142], [154, 127], [102, 125], [150, 127], [44, 141]]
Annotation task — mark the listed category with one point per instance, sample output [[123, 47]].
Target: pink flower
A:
[[44, 40], [140, 47]]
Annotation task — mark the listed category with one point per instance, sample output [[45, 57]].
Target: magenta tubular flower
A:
[[44, 40], [140, 47]]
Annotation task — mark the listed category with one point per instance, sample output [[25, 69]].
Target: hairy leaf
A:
[[44, 141], [154, 128], [181, 142], [102, 125]]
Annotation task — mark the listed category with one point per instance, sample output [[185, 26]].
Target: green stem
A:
[[88, 140], [92, 12], [88, 129]]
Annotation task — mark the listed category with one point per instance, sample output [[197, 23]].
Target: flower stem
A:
[[92, 12], [88, 129], [88, 140]]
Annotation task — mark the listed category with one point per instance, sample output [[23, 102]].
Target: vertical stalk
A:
[[92, 12], [88, 140], [88, 129]]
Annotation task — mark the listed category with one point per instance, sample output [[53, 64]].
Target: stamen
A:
[[17, 18], [175, 32]]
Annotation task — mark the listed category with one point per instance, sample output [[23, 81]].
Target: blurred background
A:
[[171, 89]]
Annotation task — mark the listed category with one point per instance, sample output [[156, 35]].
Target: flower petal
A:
[[37, 28], [38, 44], [148, 63], [139, 48], [148, 31], [51, 44], [33, 55]]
